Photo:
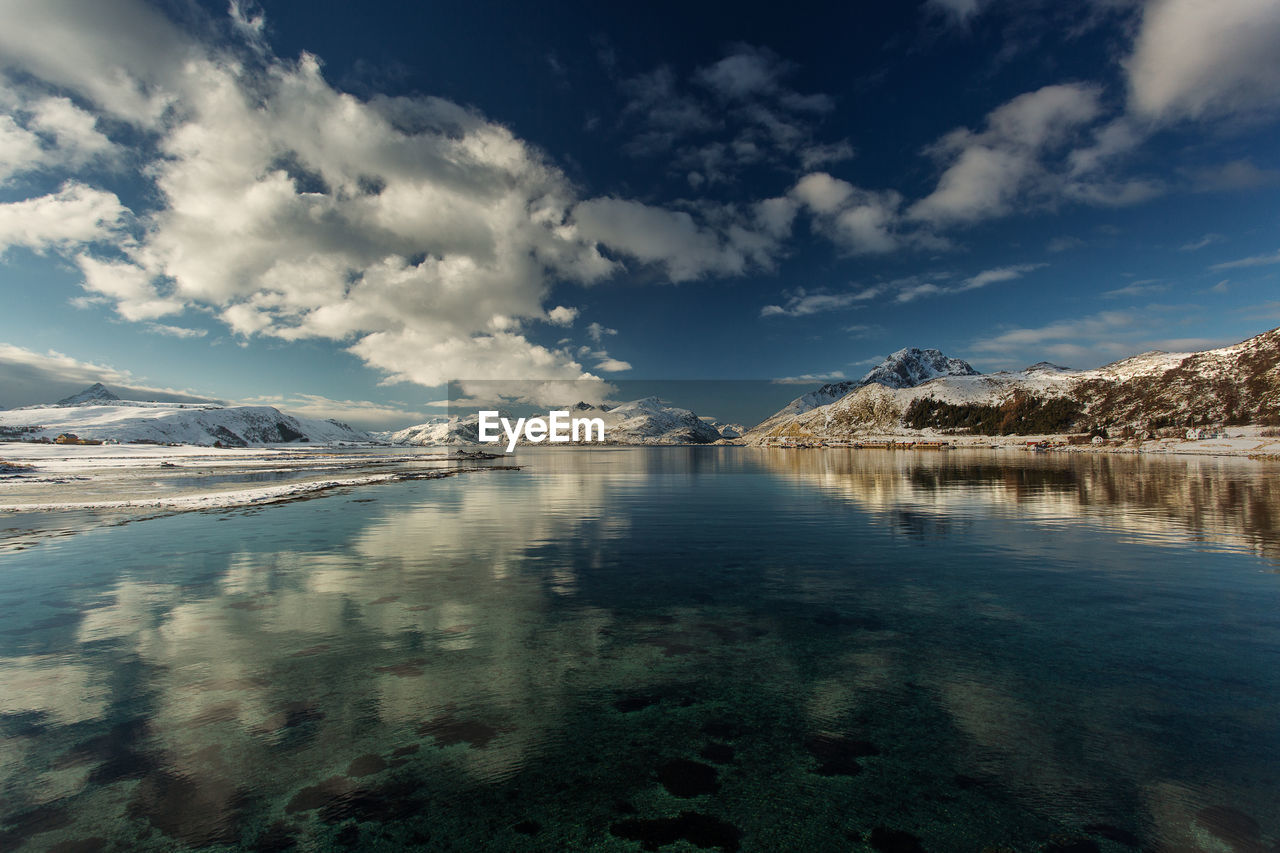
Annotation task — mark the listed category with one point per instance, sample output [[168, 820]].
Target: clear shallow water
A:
[[710, 647]]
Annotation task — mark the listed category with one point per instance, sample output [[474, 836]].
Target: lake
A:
[[708, 648]]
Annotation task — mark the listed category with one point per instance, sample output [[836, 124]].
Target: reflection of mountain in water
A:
[[1228, 502]]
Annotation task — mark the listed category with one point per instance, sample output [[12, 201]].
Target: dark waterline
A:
[[715, 648]]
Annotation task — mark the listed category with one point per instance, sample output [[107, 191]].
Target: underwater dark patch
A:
[[888, 840], [685, 778], [838, 755], [698, 829], [449, 730]]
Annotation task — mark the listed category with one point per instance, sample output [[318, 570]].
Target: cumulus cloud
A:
[[1193, 59], [686, 249], [861, 222], [28, 378], [562, 316], [73, 215], [39, 132], [986, 173], [415, 231]]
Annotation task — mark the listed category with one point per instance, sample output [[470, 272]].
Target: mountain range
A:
[[648, 420], [912, 390], [1239, 384], [98, 413]]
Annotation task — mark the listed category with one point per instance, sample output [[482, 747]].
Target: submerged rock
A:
[[894, 841], [698, 829], [838, 755], [685, 778]]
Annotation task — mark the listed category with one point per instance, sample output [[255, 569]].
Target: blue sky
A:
[[338, 209]]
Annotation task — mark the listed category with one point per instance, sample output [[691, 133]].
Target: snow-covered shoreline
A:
[[53, 478]]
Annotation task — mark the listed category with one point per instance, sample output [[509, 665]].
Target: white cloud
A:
[[562, 316], [919, 291], [1254, 261], [999, 274], [73, 215], [415, 231], [801, 303], [1138, 288], [810, 378], [990, 173], [176, 331], [859, 221], [596, 332], [1195, 59], [1101, 325], [48, 131], [673, 240], [1095, 339], [1196, 245], [131, 288], [612, 365]]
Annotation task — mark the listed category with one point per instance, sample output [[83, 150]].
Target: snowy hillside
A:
[[102, 416], [903, 369], [1236, 384]]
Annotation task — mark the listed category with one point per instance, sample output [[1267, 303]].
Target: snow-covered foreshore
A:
[[49, 477]]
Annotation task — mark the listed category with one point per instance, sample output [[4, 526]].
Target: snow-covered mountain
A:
[[645, 421], [1235, 384], [429, 434], [95, 393], [96, 413], [905, 368], [910, 367], [444, 431], [651, 421], [727, 431]]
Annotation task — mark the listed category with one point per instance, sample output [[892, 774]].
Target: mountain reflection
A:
[[1229, 503]]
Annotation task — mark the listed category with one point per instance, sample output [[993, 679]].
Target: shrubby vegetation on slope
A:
[[1020, 414]]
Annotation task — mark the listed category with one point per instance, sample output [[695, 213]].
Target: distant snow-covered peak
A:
[[95, 393], [911, 366]]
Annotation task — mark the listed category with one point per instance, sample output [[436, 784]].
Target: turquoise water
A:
[[677, 649]]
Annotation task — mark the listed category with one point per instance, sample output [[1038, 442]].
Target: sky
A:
[[339, 208]]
